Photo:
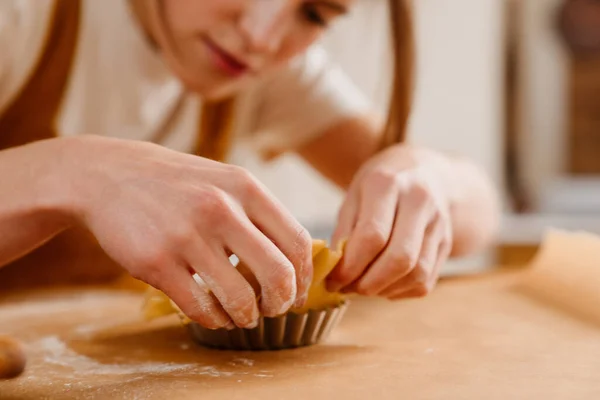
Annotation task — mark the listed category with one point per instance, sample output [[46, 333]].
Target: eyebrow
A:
[[337, 7]]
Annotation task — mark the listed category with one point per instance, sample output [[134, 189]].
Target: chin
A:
[[213, 91], [206, 86], [217, 93]]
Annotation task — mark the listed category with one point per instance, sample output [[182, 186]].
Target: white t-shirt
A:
[[120, 87]]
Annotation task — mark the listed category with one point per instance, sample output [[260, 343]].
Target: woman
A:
[[191, 76]]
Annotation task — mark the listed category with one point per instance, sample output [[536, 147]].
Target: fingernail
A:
[[301, 301], [253, 325], [230, 326]]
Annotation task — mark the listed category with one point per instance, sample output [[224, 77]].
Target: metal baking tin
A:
[[287, 331]]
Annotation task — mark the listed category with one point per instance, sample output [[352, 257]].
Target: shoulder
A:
[[24, 22], [24, 26]]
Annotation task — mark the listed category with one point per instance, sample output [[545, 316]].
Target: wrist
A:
[[439, 171], [53, 176]]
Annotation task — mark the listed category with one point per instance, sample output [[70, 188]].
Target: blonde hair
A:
[[215, 129], [403, 72]]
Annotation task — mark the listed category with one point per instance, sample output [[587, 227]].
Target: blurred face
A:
[[215, 46]]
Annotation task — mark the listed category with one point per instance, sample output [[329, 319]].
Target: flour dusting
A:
[[263, 375], [56, 352], [242, 361]]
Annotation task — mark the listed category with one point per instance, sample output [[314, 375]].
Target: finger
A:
[[408, 294], [402, 253], [376, 214], [272, 269], [443, 254], [419, 284], [234, 293], [196, 303], [346, 222], [346, 218], [415, 281], [427, 261], [288, 235]]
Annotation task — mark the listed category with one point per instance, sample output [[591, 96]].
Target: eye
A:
[[312, 15]]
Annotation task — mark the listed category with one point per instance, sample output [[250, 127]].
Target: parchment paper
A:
[[566, 274], [497, 336]]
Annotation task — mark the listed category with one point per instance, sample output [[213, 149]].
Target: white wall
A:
[[544, 66], [459, 97], [560, 201]]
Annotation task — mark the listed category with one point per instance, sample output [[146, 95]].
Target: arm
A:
[[163, 216], [406, 210], [32, 208], [343, 149]]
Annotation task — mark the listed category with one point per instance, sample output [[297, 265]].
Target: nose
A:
[[264, 24]]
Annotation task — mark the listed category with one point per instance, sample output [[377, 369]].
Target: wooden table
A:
[[473, 338]]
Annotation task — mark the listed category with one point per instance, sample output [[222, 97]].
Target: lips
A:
[[225, 61]]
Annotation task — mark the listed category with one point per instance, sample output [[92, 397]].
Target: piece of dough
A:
[[12, 358], [565, 273], [157, 304], [324, 261]]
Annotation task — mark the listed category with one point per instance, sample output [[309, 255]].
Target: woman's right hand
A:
[[162, 215]]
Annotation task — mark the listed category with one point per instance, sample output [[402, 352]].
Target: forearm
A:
[[33, 205]]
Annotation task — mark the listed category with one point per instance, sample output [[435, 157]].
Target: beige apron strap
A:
[[31, 115], [215, 130]]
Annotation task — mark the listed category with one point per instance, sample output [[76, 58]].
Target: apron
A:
[[74, 256]]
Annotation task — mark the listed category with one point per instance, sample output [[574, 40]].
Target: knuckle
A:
[[246, 181], [420, 193], [437, 217], [196, 313], [152, 261], [424, 264], [303, 242], [199, 314], [302, 248], [401, 261], [374, 236], [203, 311], [182, 236], [285, 279], [280, 292], [383, 179], [214, 205], [243, 306]]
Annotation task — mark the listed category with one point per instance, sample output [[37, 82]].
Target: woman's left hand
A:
[[396, 218]]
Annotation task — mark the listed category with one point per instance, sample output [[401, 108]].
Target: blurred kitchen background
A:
[[511, 84]]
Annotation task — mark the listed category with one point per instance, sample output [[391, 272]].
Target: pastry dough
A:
[[157, 304], [324, 261]]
